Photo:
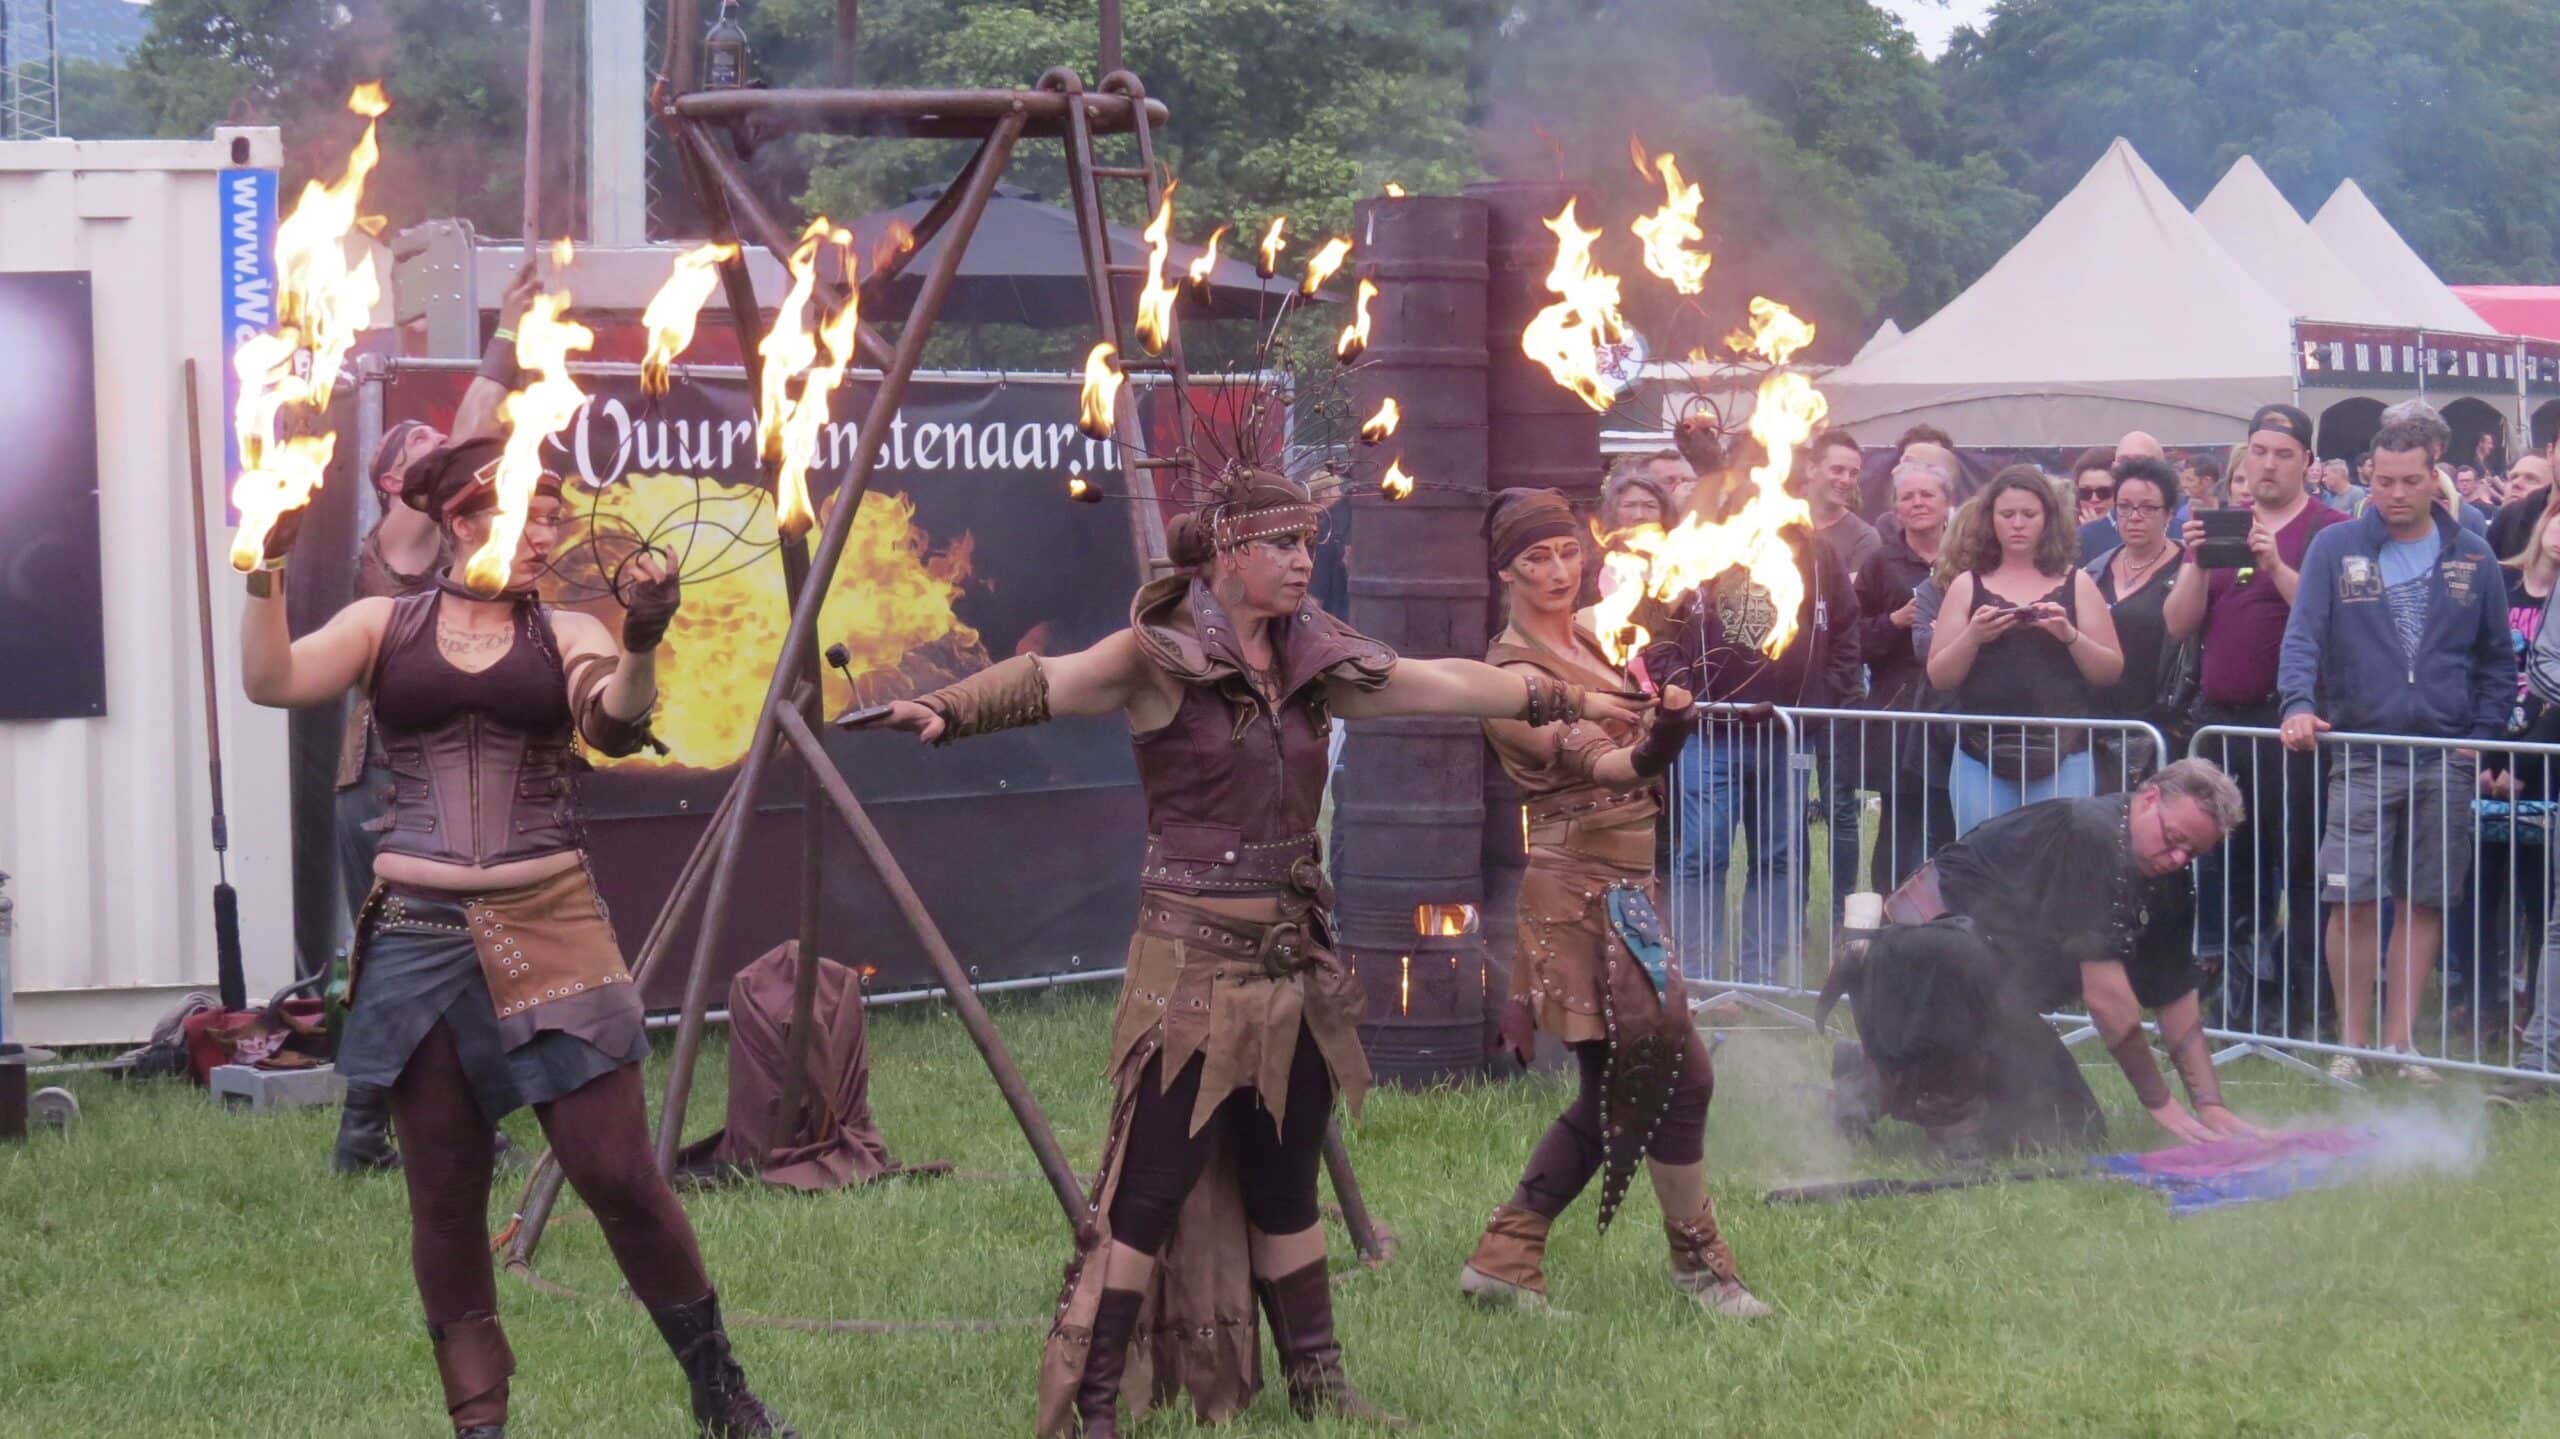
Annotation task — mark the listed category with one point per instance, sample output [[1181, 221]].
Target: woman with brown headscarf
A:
[[485, 974], [1237, 1024], [1592, 967]]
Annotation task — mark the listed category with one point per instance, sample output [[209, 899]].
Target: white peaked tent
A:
[[1885, 335], [2358, 234], [2116, 312], [2252, 220]]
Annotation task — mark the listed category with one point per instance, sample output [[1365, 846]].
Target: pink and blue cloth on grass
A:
[[2198, 1177]]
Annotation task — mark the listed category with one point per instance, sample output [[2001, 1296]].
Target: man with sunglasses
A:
[[2068, 903]]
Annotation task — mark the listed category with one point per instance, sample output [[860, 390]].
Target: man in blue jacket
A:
[[2399, 627]]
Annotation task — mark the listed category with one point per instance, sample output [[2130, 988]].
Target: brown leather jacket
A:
[[1572, 818], [472, 791], [1234, 781]]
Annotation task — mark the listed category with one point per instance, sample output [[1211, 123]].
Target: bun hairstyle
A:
[[1186, 541]]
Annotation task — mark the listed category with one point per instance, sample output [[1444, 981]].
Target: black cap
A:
[[2284, 420], [444, 473]]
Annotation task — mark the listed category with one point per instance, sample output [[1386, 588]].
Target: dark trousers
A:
[[1839, 767], [1275, 1164], [2257, 896], [600, 1133], [1570, 1152]]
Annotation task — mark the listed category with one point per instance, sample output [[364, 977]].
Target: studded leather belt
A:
[[1282, 947], [1279, 866]]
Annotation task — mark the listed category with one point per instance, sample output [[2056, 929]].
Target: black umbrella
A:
[[1025, 266]]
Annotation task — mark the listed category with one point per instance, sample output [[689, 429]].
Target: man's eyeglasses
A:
[[2137, 508]]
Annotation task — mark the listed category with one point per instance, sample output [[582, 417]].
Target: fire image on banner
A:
[[966, 550]]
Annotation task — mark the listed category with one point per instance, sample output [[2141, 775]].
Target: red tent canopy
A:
[[2530, 310]]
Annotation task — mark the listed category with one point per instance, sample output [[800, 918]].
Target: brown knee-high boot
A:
[[1106, 1358], [1299, 1305], [723, 1406], [474, 1361]]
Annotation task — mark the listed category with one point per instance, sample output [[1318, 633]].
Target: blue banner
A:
[[248, 247]]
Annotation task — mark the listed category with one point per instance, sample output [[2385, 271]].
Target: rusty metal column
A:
[[1409, 802], [1541, 436]]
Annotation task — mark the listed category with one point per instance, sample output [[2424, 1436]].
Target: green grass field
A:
[[171, 1270]]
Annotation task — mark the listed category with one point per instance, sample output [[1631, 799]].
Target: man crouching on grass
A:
[[2069, 902]]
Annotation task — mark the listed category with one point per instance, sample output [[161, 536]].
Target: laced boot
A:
[[1106, 1358], [723, 1406], [364, 1135], [1299, 1305], [473, 1360], [1508, 1267], [1703, 1268]]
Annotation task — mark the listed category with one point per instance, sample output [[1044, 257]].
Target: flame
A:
[[1102, 382], [561, 253], [1155, 301], [1404, 984], [1444, 920], [1646, 560], [1327, 259], [1670, 233], [545, 338], [1382, 424], [286, 374], [1274, 240], [897, 238], [1566, 336], [1083, 492], [1207, 264], [891, 606], [670, 316], [1355, 336], [1394, 190], [1775, 334], [787, 427], [1395, 484]]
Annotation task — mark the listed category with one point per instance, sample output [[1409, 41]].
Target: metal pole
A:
[[729, 190], [1110, 46], [533, 130], [848, 41], [955, 980], [804, 619]]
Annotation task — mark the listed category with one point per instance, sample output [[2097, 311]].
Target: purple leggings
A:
[[1275, 1163], [1568, 1154]]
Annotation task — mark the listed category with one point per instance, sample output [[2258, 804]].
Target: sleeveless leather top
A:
[[1234, 780], [1569, 817], [482, 764], [375, 578]]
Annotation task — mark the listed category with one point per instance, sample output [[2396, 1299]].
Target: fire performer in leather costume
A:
[[2068, 901], [1592, 967], [399, 556], [1237, 1025], [485, 974]]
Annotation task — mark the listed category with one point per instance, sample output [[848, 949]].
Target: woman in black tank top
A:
[[2023, 634], [485, 974]]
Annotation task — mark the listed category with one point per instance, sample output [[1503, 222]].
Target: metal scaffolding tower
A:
[[30, 70]]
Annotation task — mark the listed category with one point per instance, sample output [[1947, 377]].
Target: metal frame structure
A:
[[30, 70], [698, 121]]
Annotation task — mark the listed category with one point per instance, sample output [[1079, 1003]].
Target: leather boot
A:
[[1508, 1267], [1106, 1358], [1703, 1268], [1299, 1306], [473, 1360], [723, 1406], [364, 1134]]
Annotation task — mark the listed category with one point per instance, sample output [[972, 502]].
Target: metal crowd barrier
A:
[[1750, 901], [2332, 951]]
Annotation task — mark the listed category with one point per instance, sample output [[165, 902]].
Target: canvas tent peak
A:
[[2249, 217], [2358, 234]]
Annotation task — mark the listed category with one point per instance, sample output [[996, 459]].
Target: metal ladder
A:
[[1085, 174]]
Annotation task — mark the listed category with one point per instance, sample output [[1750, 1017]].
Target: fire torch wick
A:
[[842, 659]]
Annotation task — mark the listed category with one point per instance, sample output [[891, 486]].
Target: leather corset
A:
[[475, 790], [1233, 782]]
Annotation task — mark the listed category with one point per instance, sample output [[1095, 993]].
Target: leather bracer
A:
[[1007, 695], [604, 732]]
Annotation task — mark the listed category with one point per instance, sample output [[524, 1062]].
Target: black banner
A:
[[52, 625]]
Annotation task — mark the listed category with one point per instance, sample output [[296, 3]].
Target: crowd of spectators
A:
[[2381, 592]]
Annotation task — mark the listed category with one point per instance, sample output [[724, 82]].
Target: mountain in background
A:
[[102, 31]]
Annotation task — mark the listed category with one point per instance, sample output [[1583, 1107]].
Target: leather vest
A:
[[1568, 816], [474, 790], [1234, 781]]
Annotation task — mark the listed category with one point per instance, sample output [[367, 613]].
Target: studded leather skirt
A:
[[529, 980], [1570, 956]]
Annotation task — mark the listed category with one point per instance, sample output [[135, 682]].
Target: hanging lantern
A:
[[724, 51]]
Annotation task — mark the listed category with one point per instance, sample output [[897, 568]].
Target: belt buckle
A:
[[1283, 950]]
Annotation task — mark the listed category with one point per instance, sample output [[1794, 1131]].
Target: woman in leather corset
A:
[[485, 973], [1237, 1025], [1586, 910]]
